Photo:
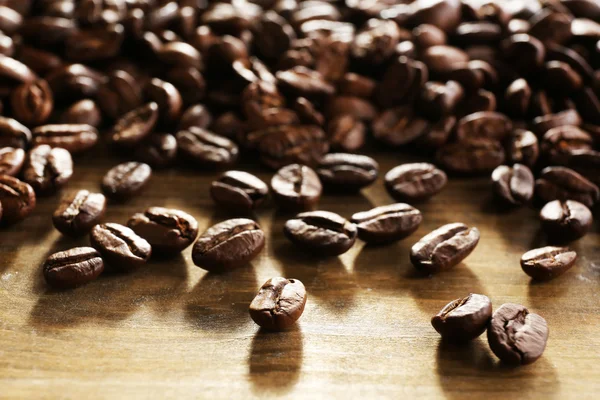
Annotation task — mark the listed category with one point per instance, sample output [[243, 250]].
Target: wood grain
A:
[[173, 331]]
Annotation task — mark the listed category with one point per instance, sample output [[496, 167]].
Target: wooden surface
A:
[[171, 330]]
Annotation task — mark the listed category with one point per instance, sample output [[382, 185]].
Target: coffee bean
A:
[[483, 125], [438, 99], [204, 148], [84, 112], [517, 98], [565, 221], [77, 213], [543, 124], [228, 244], [441, 59], [463, 319], [513, 185], [13, 134], [296, 187], [471, 156], [189, 82], [47, 169], [168, 231], [74, 267], [346, 133], [196, 115], [75, 82], [120, 247], [168, 99], [301, 81], [348, 105], [180, 54], [437, 135], [321, 232], [229, 125], [414, 182], [15, 72], [135, 126], [401, 82], [239, 190], [560, 183], [587, 163], [376, 41], [522, 147], [158, 151], [76, 138], [517, 336], [347, 172], [558, 143], [283, 145], [278, 304], [387, 223], [307, 112], [120, 94], [547, 262], [126, 180], [426, 35], [357, 85], [524, 52], [11, 160], [444, 248], [32, 102], [398, 126], [17, 198]]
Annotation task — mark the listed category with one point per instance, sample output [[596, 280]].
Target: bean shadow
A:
[[380, 267], [275, 361]]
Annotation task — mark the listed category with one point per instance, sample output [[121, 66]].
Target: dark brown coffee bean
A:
[[239, 191], [120, 94], [478, 32], [547, 262], [353, 84], [120, 247], [95, 43], [387, 223], [180, 54], [588, 105], [13, 72], [126, 180], [11, 160], [560, 77], [401, 82], [229, 125], [283, 145], [587, 163], [414, 182], [204, 148], [471, 156], [346, 133], [76, 138], [437, 135], [321, 232], [442, 59], [273, 35], [398, 126], [543, 124], [228, 244], [74, 267], [47, 30], [189, 82], [558, 143], [560, 183], [40, 61], [439, 99], [444, 248], [133, 127], [14, 134], [517, 336], [196, 115], [356, 106], [278, 304], [483, 125], [79, 212], [32, 102], [513, 185], [84, 112], [564, 221], [296, 187], [463, 319], [426, 35], [347, 172], [376, 42], [17, 198], [168, 99], [524, 52], [304, 82], [480, 101], [445, 15], [168, 231], [522, 147], [47, 169], [158, 151], [517, 98], [74, 82]]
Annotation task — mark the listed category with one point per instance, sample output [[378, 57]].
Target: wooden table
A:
[[173, 331]]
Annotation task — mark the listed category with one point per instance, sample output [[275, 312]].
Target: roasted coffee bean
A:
[[414, 181], [229, 125], [273, 35], [348, 105], [387, 223], [560, 77], [120, 247], [83, 112], [180, 54], [47, 169], [483, 125], [32, 102], [307, 112], [74, 267], [79, 212], [126, 180], [158, 151], [426, 35], [76, 138], [204, 148], [565, 221], [517, 98], [522, 147], [321, 232], [135, 126], [196, 115], [168, 99], [439, 99], [560, 183], [11, 160], [346, 133], [472, 156], [283, 145], [17, 199], [517, 336], [14, 72], [119, 95], [437, 135], [376, 42], [398, 126], [239, 190], [463, 319], [353, 84], [547, 262], [401, 82], [278, 304], [75, 82], [228, 244], [524, 52], [441, 59], [544, 123], [296, 187], [513, 185], [587, 163], [444, 248], [14, 134], [558, 143], [347, 172], [189, 82], [301, 81], [168, 231]]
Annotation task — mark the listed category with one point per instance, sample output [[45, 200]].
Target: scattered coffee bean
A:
[[463, 319], [168, 231], [398, 126], [47, 169], [17, 198], [74, 267], [83, 112], [79, 212], [283, 145], [278, 304], [414, 182], [204, 148], [322, 232], [135, 126], [522, 147], [444, 248], [158, 151], [32, 102], [72, 137], [513, 185], [471, 157], [228, 244], [120, 247], [387, 223], [560, 183], [239, 191], [14, 134], [547, 262], [565, 220], [11, 160], [517, 336], [126, 180], [296, 187], [483, 125], [347, 172]]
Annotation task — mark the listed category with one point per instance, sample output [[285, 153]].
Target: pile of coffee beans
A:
[[507, 88]]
